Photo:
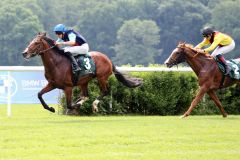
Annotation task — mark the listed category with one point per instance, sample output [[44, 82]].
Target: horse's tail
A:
[[127, 81]]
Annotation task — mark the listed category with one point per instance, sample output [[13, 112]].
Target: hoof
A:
[[72, 112], [52, 109], [76, 106], [183, 116]]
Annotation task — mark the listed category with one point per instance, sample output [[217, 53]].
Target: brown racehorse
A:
[[58, 72], [209, 75]]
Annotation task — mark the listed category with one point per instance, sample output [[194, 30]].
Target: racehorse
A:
[[210, 78], [58, 72]]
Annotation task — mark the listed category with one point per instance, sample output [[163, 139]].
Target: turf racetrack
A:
[[33, 133]]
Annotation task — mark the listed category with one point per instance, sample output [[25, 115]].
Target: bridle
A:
[[175, 62], [40, 47], [181, 58], [45, 50]]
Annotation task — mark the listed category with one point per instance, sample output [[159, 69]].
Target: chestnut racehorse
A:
[[58, 72], [210, 78]]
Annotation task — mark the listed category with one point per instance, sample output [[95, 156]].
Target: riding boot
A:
[[75, 66], [223, 61]]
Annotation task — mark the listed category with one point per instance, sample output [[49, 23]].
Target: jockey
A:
[[75, 44], [221, 43]]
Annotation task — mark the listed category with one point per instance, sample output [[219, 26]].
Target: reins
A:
[[45, 50], [195, 55]]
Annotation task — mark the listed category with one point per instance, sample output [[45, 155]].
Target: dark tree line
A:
[[128, 31]]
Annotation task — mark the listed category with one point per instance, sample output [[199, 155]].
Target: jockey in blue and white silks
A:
[[74, 43]]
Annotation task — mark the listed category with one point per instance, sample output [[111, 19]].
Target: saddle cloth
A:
[[86, 64], [234, 65]]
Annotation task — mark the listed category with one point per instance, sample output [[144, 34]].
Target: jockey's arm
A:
[[202, 44], [69, 43], [213, 45]]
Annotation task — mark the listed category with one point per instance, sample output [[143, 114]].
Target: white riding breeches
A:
[[224, 49], [77, 50]]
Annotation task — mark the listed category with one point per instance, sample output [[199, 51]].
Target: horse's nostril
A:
[[169, 65]]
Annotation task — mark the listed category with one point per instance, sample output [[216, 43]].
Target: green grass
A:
[[33, 133]]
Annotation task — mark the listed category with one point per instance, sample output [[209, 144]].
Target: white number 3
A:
[[87, 63]]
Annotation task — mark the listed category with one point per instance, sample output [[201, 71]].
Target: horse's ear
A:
[[181, 43], [42, 33]]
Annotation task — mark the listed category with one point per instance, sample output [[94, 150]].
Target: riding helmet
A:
[[207, 31], [60, 28]]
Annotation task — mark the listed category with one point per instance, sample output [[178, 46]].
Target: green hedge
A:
[[162, 93]]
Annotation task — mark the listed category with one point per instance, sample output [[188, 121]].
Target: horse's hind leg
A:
[[46, 89], [104, 91], [214, 97]]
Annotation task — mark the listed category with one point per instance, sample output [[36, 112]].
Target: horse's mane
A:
[[191, 47]]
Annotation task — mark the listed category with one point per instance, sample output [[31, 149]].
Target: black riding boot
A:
[[76, 68], [222, 59]]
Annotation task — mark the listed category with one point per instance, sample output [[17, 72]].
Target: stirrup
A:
[[78, 69]]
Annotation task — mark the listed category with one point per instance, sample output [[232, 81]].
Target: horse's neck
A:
[[198, 63], [51, 61]]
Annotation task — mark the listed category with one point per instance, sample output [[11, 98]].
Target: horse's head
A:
[[177, 56], [35, 47]]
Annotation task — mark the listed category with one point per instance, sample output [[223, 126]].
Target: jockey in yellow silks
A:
[[219, 42]]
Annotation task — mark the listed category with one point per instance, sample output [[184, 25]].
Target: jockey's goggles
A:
[[58, 32], [205, 35]]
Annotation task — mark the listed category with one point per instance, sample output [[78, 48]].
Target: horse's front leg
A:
[[68, 95], [71, 110], [195, 101], [214, 97], [46, 89]]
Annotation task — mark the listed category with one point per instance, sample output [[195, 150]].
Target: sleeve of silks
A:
[[215, 43], [202, 44], [59, 40]]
